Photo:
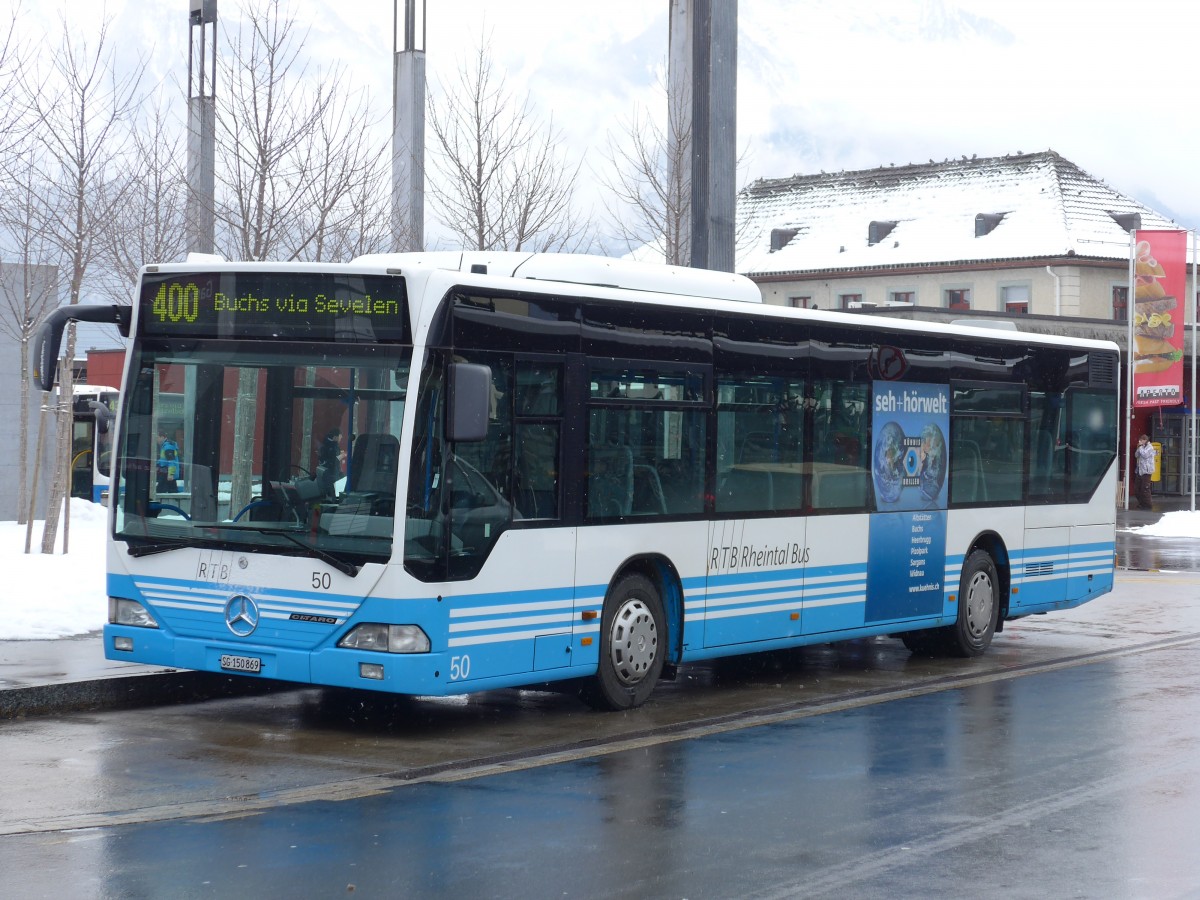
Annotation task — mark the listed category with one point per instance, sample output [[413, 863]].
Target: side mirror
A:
[[48, 338], [469, 402], [103, 415]]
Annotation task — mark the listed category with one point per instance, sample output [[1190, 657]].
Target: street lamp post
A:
[[202, 125]]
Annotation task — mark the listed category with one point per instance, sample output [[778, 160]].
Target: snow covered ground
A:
[[55, 596]]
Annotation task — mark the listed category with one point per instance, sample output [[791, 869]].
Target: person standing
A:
[[1146, 456], [167, 474]]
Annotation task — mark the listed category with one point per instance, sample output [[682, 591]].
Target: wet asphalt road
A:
[[1081, 782], [1062, 764], [1178, 554], [1138, 551]]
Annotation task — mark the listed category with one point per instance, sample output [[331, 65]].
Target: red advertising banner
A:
[[1159, 311]]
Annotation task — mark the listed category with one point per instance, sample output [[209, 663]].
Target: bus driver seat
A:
[[373, 469]]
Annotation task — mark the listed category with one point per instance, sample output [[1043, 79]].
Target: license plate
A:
[[241, 663]]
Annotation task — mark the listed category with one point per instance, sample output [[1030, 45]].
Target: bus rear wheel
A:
[[978, 607], [632, 646]]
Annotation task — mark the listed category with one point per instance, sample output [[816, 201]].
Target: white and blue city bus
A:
[[93, 415], [603, 469]]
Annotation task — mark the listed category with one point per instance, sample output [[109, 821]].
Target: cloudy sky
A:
[[822, 84]]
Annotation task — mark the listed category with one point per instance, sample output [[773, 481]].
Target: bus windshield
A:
[[285, 447]]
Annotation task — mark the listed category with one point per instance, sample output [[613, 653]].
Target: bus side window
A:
[[424, 529], [839, 445], [1047, 453], [537, 429]]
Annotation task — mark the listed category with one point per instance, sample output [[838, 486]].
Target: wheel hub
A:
[[980, 599], [633, 641]]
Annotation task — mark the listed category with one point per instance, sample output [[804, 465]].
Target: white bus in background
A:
[[441, 473], [93, 421]]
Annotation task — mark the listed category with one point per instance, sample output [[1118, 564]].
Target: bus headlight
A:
[[129, 612], [386, 638]]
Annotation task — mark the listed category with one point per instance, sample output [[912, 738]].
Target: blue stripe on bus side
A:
[[831, 597], [510, 616]]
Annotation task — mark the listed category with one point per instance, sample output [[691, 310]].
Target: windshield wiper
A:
[[160, 546], [339, 564]]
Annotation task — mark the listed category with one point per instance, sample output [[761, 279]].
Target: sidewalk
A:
[[71, 674]]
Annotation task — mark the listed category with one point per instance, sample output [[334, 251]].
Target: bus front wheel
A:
[[978, 607], [632, 646]]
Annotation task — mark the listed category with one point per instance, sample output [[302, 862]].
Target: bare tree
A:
[[296, 147], [265, 118], [28, 289], [649, 183], [150, 223], [79, 108], [503, 182], [28, 285], [14, 56], [349, 180], [367, 228]]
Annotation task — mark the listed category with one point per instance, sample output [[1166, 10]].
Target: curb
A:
[[130, 692]]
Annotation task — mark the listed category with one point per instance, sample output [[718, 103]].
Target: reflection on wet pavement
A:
[[1137, 551]]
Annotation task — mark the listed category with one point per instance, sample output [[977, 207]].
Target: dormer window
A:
[[877, 231], [781, 237], [985, 223], [1127, 221]]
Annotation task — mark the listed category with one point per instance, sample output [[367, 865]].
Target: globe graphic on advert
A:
[[889, 462]]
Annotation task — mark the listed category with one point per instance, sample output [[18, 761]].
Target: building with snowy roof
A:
[[1030, 238], [1025, 234]]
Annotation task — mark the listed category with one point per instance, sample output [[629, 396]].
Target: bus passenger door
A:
[[835, 592]]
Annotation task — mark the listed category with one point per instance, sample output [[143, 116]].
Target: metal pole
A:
[[408, 126], [202, 125], [1130, 302], [1192, 304]]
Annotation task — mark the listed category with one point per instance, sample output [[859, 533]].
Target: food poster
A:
[[909, 466], [1159, 281]]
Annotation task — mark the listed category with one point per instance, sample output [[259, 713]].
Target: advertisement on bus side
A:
[[909, 462]]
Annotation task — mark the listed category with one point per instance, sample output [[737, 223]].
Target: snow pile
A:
[[1173, 524], [52, 595]]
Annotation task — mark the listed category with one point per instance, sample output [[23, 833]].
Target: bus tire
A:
[[978, 607], [632, 646]]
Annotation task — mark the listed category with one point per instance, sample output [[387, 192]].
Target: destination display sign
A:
[[323, 306]]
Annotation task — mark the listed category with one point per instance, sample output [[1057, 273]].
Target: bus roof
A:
[[582, 269], [609, 279]]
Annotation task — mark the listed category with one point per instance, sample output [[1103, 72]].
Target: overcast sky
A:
[[822, 84]]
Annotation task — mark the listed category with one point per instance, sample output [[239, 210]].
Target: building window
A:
[[1120, 294], [844, 300], [958, 298], [799, 302], [903, 297], [1015, 299]]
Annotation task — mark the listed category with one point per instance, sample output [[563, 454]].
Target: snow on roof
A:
[[1038, 205]]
